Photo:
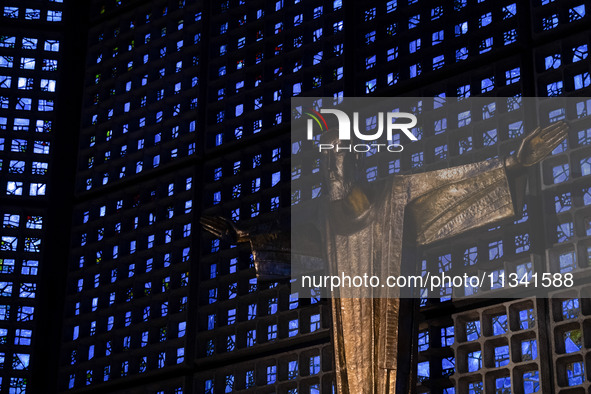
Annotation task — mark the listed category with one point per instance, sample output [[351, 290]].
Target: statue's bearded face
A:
[[338, 168]]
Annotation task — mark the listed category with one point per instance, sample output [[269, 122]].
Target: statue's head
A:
[[337, 166]]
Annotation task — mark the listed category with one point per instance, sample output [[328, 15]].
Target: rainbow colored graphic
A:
[[318, 117]]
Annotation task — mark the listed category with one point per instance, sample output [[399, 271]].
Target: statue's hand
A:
[[224, 229], [540, 143]]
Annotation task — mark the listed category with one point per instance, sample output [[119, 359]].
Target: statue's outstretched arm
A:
[[271, 249], [224, 229], [536, 146]]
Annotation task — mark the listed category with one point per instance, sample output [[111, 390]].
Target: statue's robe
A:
[[419, 209]]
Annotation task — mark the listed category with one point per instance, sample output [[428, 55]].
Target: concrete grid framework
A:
[[185, 111]]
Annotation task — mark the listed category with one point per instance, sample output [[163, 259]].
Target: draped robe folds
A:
[[422, 208]]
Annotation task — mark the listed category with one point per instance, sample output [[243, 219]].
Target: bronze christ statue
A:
[[365, 230]]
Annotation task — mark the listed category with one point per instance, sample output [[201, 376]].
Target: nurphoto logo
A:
[[344, 130]]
